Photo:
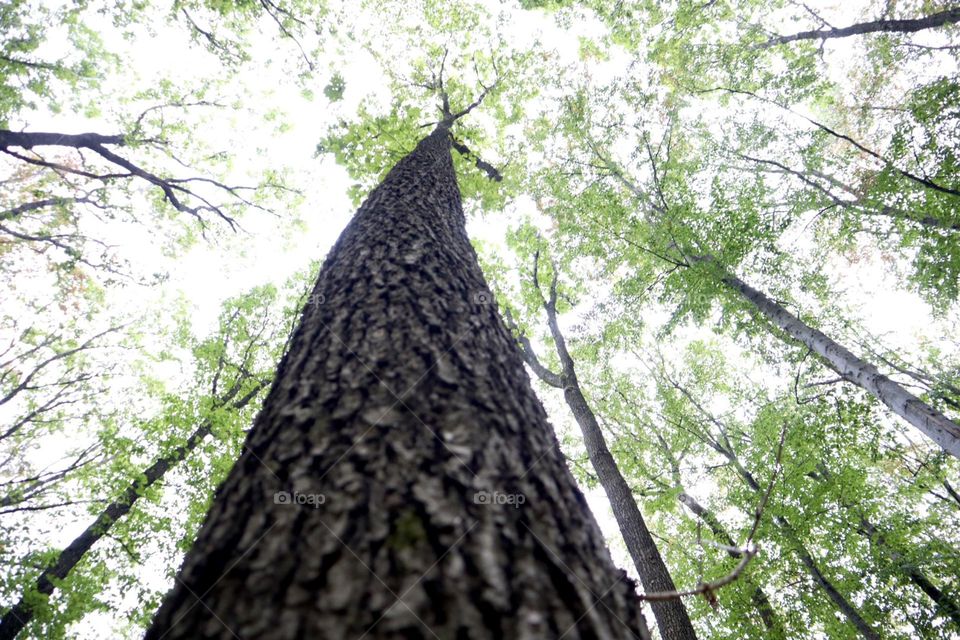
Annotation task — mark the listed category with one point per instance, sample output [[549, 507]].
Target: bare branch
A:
[[945, 17]]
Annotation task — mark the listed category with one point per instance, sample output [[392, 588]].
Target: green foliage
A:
[[335, 88], [28, 78]]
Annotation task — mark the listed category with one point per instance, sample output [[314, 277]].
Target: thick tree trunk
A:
[[21, 613], [928, 420], [673, 621], [939, 19], [401, 480]]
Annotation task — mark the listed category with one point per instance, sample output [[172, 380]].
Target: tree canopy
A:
[[738, 221]]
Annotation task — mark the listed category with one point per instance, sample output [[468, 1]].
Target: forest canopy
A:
[[724, 237]]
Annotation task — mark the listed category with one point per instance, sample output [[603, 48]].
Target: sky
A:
[[269, 249]]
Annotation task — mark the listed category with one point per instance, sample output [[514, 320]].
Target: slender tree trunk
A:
[[21, 613], [401, 480], [928, 420], [760, 600], [847, 609], [945, 605], [939, 19], [931, 422], [673, 621], [724, 446]]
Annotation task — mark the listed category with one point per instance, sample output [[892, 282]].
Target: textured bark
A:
[[404, 404], [20, 614], [921, 415], [939, 19], [673, 621]]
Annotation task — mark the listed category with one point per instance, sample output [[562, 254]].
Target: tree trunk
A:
[[725, 447], [673, 621], [760, 600], [401, 480], [928, 420], [945, 605], [20, 614], [948, 16], [921, 415], [847, 609]]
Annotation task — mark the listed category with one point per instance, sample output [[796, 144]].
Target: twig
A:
[[747, 552]]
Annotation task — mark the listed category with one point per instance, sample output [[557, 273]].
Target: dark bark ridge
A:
[[404, 404], [673, 621]]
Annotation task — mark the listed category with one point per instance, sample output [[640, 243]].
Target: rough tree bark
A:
[[921, 415], [910, 25], [428, 495], [673, 621], [21, 613]]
